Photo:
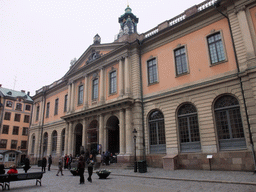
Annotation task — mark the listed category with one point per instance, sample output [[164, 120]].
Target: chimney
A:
[[23, 91], [28, 93]]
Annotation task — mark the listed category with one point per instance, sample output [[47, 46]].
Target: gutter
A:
[[216, 5], [142, 100]]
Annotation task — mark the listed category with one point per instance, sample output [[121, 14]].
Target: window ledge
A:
[[157, 82], [111, 94], [180, 75], [218, 63]]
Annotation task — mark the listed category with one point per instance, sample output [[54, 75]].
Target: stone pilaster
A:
[[122, 132], [121, 78], [128, 130]]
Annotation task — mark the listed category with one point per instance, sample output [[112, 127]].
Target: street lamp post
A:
[[134, 138]]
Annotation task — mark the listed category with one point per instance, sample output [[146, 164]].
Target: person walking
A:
[[49, 162], [80, 169], [90, 163], [60, 165], [44, 163], [27, 165]]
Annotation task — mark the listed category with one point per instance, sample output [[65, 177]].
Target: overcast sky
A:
[[39, 38]]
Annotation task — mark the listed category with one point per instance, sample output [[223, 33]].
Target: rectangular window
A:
[[65, 103], [17, 117], [152, 71], [56, 106], [26, 119], [216, 48], [112, 86], [7, 116], [15, 130], [5, 129], [180, 61], [18, 106], [9, 104], [23, 145], [37, 112], [95, 89], [47, 110], [11, 157], [28, 107], [14, 144], [3, 143], [25, 131], [80, 94]]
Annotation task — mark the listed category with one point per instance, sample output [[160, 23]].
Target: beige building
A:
[[187, 86], [15, 115]]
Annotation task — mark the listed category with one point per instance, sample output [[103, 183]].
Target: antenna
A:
[[15, 77]]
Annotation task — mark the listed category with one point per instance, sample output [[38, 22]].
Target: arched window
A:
[[62, 141], [45, 144], [229, 123], [33, 144], [157, 132], [188, 129], [54, 142]]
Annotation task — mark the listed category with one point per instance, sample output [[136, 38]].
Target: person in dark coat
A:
[[44, 163], [49, 162], [90, 163], [80, 169], [2, 171], [27, 165]]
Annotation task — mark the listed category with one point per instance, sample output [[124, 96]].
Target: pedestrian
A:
[[102, 158], [12, 170], [80, 169], [60, 165], [2, 171], [44, 163], [65, 161], [27, 165], [49, 162], [90, 163], [70, 158]]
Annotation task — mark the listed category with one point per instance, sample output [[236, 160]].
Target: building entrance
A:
[[78, 138], [113, 134]]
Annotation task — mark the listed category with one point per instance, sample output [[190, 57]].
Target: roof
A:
[[14, 94]]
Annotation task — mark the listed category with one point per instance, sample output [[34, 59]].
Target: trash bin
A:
[[39, 163], [142, 166]]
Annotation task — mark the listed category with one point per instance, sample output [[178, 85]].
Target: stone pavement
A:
[[230, 177], [155, 179]]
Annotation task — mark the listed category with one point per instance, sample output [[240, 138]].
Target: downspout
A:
[[42, 126], [142, 101], [217, 4]]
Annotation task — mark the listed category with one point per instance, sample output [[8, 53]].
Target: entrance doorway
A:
[[78, 138], [113, 135]]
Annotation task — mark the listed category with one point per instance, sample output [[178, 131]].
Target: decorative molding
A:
[[94, 55]]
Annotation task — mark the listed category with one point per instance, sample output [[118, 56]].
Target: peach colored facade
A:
[[15, 121], [187, 86]]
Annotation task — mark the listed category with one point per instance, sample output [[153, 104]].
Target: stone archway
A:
[[113, 135], [78, 138]]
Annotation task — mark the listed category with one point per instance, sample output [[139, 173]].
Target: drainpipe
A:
[[142, 101], [217, 4]]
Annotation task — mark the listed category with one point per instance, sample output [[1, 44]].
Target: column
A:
[[49, 145], [59, 142], [69, 97], [121, 78], [122, 132], [66, 138], [245, 31], [128, 129], [69, 137], [42, 104], [127, 76], [84, 137], [72, 97], [102, 79], [86, 91], [105, 139], [101, 130]]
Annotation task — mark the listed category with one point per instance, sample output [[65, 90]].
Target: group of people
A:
[[81, 167], [44, 163], [67, 161]]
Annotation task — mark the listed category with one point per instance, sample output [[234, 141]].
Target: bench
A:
[[5, 179]]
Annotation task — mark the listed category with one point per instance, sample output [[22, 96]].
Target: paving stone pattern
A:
[[154, 180]]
